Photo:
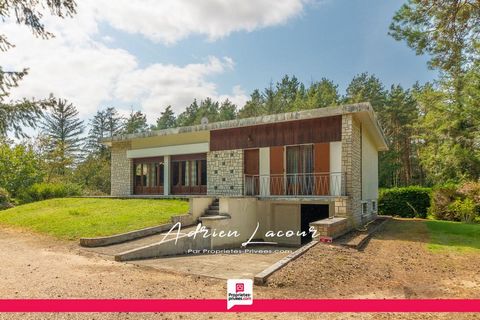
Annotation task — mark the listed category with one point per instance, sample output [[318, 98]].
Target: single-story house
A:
[[285, 171]]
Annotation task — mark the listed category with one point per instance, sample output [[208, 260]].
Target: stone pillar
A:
[[121, 170], [351, 166], [166, 175], [225, 173]]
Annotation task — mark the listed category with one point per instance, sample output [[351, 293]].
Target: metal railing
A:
[[296, 184]]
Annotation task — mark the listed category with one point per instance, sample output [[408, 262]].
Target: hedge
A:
[[43, 191], [406, 202]]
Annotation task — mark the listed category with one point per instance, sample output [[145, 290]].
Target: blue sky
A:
[[148, 54], [334, 39]]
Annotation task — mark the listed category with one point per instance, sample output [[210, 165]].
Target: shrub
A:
[[463, 210], [5, 202], [407, 202], [43, 191], [442, 197], [456, 203]]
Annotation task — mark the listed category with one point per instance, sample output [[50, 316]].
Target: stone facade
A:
[[225, 172], [121, 170], [351, 165]]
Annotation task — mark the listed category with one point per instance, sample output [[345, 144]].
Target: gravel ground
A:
[[395, 264]]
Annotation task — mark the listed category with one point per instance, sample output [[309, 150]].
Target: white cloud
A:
[[78, 65], [168, 21]]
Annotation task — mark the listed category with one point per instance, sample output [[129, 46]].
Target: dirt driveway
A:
[[395, 263]]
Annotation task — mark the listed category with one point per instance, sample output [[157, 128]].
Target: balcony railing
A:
[[296, 184]]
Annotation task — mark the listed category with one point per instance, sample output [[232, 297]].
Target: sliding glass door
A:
[[189, 174], [148, 176], [300, 170]]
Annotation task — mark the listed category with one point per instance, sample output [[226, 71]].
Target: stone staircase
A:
[[213, 212]]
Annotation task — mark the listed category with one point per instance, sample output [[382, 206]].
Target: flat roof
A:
[[363, 109]]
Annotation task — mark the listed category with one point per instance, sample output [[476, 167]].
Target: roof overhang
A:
[[363, 111]]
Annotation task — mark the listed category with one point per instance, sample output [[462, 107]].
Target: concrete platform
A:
[[242, 265]]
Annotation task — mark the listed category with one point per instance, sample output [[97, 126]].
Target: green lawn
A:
[[446, 235], [73, 218]]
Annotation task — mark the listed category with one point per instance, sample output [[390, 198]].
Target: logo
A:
[[239, 287], [239, 292]]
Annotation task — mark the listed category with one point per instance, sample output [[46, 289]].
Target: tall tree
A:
[[105, 124], [322, 94], [136, 123], [62, 129], [399, 165], [286, 92], [227, 111], [188, 117], [166, 119], [253, 107], [16, 114], [448, 30], [366, 88]]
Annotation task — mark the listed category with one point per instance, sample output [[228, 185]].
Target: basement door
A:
[[310, 213]]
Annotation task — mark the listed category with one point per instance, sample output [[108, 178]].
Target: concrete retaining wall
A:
[[169, 247], [123, 237]]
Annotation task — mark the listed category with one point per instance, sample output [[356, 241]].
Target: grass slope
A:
[[73, 218], [453, 236]]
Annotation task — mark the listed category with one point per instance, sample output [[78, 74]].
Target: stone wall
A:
[[351, 165], [121, 170], [225, 172]]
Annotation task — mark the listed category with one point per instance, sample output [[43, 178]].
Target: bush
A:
[[442, 198], [406, 202], [43, 191], [5, 201], [456, 203], [464, 210]]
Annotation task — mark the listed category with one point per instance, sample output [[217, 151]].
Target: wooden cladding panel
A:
[[252, 162], [192, 156], [321, 165], [322, 157], [319, 130], [276, 160]]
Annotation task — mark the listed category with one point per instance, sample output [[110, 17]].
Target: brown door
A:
[[251, 170], [277, 171]]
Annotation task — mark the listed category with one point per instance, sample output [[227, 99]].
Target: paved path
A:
[[244, 264]]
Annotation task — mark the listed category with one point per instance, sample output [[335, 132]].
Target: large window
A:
[[299, 170], [148, 176], [189, 174]]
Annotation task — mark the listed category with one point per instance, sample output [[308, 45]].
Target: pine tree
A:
[[136, 123], [62, 129], [166, 119]]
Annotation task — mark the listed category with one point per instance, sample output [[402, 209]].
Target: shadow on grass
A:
[[437, 235]]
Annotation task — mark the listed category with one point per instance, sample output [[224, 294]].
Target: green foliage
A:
[[19, 168], [407, 202], [166, 120], [5, 201], [136, 123], [463, 210], [15, 115], [62, 130], [43, 191], [93, 174], [447, 30], [456, 202], [105, 124]]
